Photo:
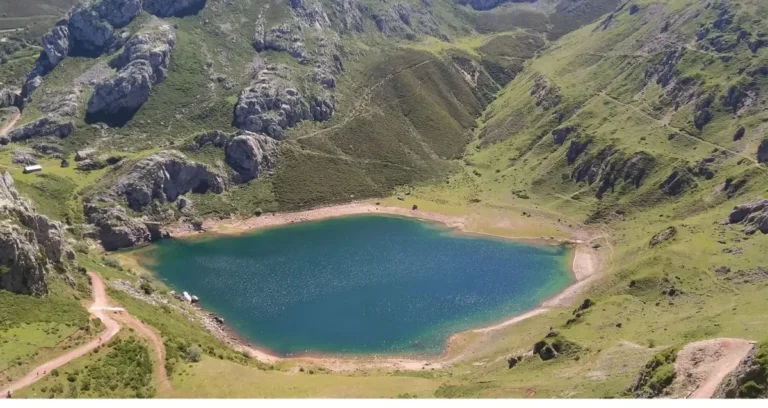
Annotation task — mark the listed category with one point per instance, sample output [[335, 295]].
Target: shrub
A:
[[193, 354], [112, 263], [146, 288]]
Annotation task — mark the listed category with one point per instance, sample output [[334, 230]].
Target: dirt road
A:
[[100, 309], [8, 126], [701, 366]]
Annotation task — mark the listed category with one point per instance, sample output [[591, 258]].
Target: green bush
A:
[[193, 354]]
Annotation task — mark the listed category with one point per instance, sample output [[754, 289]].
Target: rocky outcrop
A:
[[702, 114], [154, 47], [762, 152], [350, 13], [116, 230], [663, 236], [23, 158], [173, 8], [754, 216], [250, 155], [119, 13], [677, 182], [738, 97], [163, 177], [282, 39], [576, 148], [30, 243], [9, 98], [46, 126], [91, 32], [142, 64], [740, 132], [731, 186], [610, 167], [546, 94], [559, 135], [56, 44], [271, 105]]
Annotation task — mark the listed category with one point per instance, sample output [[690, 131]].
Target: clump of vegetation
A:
[[656, 376], [125, 371]]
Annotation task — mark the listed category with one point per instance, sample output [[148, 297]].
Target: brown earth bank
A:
[[587, 263]]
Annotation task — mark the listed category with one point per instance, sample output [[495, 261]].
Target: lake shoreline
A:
[[585, 266]]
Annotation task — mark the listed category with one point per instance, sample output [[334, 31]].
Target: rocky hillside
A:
[[285, 104], [640, 123], [31, 245]]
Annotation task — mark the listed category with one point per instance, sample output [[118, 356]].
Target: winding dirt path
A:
[[701, 366], [8, 126], [100, 309]]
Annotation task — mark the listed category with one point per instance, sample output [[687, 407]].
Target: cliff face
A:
[[30, 243]]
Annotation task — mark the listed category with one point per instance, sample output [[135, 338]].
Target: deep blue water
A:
[[360, 284]]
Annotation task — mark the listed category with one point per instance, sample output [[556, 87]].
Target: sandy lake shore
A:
[[586, 266]]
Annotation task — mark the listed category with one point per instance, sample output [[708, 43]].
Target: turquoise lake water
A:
[[361, 284]]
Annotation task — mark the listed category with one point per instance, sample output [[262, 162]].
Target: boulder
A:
[[753, 215], [547, 353], [663, 236], [513, 361], [173, 8], [84, 154], [46, 126], [164, 177], [56, 44], [762, 152], [29, 243], [739, 133], [91, 165], [251, 154]]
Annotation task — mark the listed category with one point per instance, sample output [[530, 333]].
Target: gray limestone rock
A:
[[29, 243], [56, 44], [164, 177], [45, 126], [115, 228], [251, 154]]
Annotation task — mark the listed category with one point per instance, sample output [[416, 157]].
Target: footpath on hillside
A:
[[101, 309]]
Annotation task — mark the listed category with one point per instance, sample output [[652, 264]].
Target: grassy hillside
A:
[[628, 128]]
